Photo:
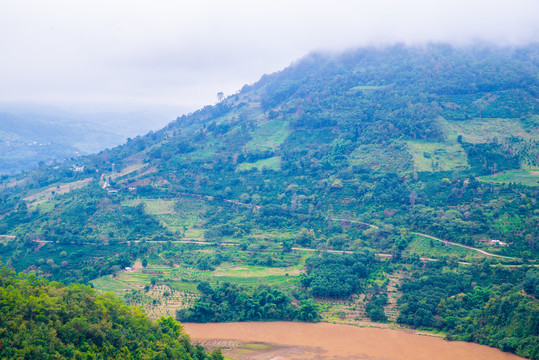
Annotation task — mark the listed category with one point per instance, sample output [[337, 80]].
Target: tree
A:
[[220, 96], [308, 310]]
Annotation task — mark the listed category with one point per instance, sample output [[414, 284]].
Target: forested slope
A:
[[486, 305], [48, 320], [395, 136]]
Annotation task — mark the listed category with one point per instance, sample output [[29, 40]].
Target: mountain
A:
[[426, 156], [437, 140]]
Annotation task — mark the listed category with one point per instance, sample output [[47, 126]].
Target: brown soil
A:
[[295, 341]]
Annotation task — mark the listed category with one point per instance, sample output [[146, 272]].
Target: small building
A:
[[492, 242], [128, 269]]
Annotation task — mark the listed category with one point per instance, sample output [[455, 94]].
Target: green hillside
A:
[[418, 155]]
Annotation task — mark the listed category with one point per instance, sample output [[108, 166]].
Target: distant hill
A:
[[31, 135]]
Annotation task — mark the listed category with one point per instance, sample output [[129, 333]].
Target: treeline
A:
[[228, 302], [48, 320], [488, 305]]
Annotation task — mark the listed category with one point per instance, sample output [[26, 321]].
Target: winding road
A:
[[435, 238]]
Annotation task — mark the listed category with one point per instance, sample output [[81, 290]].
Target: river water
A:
[[294, 341]]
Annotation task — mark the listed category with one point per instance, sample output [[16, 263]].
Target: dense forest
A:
[[376, 161], [228, 303], [490, 305], [48, 320], [337, 276]]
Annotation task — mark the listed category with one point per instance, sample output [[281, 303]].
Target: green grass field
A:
[[269, 136], [107, 283], [529, 177], [425, 247], [485, 130], [386, 158], [273, 163], [153, 206], [179, 215], [429, 156]]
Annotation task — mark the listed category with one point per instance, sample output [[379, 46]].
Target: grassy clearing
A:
[[180, 215], [257, 275], [529, 177], [430, 248], [46, 194], [207, 150], [154, 206], [108, 283], [282, 282], [273, 163], [269, 136], [484, 130], [193, 233], [432, 157], [248, 271]]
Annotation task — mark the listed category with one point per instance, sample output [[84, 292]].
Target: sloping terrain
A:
[[399, 137]]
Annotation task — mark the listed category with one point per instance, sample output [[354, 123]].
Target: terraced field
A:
[[160, 290]]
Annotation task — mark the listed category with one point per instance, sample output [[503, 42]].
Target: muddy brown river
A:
[[295, 341]]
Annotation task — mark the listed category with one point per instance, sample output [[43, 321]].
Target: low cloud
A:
[[181, 53]]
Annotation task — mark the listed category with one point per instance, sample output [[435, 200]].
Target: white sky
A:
[[131, 54]]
